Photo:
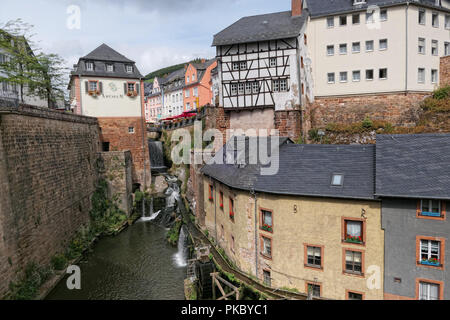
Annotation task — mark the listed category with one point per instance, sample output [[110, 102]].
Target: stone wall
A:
[[47, 176], [116, 132], [116, 169], [445, 71], [398, 109], [288, 123]]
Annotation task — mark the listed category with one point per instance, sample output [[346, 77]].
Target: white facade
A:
[[382, 56]]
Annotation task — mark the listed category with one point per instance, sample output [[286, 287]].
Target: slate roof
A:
[[280, 25], [413, 166], [105, 55], [318, 8], [307, 170], [175, 76]]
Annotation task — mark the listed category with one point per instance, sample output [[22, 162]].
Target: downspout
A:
[[406, 31], [213, 194], [144, 131], [252, 192]]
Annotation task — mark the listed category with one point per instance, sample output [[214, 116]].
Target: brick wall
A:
[[288, 123], [398, 109], [115, 131], [445, 71], [47, 176]]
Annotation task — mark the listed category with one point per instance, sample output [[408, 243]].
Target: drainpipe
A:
[[215, 210], [252, 192], [144, 131], [406, 31]]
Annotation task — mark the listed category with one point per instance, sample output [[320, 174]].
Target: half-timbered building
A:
[[260, 67]]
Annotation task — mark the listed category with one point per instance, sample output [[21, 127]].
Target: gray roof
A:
[[318, 8], [102, 56], [264, 27], [413, 166], [306, 170], [173, 78]]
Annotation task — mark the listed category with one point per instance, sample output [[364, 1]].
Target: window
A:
[[313, 290], [355, 18], [421, 75], [248, 87], [231, 209], [255, 87], [330, 22], [447, 21], [382, 73], [187, 93], [130, 129], [369, 17], [431, 208], [369, 45], [235, 66], [266, 221], [267, 278], [383, 15], [343, 76], [343, 48], [266, 247], [330, 50], [221, 200], [193, 77], [279, 85], [211, 192], [422, 17], [434, 47], [434, 76], [354, 296], [447, 48], [273, 62], [421, 46], [429, 291], [89, 66], [283, 85], [188, 107], [234, 89], [430, 253], [435, 20], [353, 231], [383, 44], [337, 180], [356, 47], [243, 65], [356, 76], [129, 69], [343, 20], [240, 88], [195, 92], [353, 262], [369, 74], [331, 77], [313, 257], [93, 85], [130, 87], [110, 67]]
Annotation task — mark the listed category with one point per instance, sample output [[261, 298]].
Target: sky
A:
[[153, 33]]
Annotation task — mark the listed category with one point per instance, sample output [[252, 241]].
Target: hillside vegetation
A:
[[167, 70]]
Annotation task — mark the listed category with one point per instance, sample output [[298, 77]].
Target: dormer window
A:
[[89, 66], [357, 2], [337, 180], [109, 67], [129, 69]]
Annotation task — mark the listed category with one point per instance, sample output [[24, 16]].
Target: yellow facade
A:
[[297, 222]]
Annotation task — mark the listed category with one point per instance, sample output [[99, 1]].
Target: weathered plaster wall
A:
[[445, 71], [47, 176]]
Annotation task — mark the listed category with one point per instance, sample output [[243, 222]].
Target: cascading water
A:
[[155, 149], [181, 256]]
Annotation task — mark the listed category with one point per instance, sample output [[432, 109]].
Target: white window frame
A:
[[248, 88], [353, 75], [268, 244], [89, 66], [273, 62], [332, 50], [353, 18], [359, 47], [328, 22], [342, 73], [447, 21], [434, 47], [446, 48], [430, 205], [241, 88], [328, 77], [423, 285], [109, 67], [131, 130], [283, 85], [129, 68], [379, 70], [233, 89], [421, 45], [255, 87], [93, 86], [235, 66], [373, 74], [382, 41], [342, 45], [340, 21], [427, 247], [385, 15], [243, 65], [422, 14], [421, 72], [373, 45], [370, 17], [435, 15]]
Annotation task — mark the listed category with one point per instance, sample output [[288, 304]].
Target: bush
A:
[[28, 287], [59, 262], [367, 123], [442, 93]]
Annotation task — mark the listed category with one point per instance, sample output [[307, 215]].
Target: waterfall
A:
[[155, 149], [181, 255], [151, 218]]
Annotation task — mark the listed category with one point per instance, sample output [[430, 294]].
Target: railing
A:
[[191, 274]]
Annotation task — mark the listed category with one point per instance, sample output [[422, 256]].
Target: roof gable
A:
[[106, 53]]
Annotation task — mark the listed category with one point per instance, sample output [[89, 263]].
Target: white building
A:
[[173, 94]]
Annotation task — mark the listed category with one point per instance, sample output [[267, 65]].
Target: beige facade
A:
[[299, 222], [395, 47]]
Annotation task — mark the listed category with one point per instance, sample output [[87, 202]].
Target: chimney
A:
[[297, 7]]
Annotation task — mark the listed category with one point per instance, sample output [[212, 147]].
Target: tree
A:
[[27, 67]]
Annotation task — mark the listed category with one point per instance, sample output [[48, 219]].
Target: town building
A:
[[374, 57], [173, 94], [262, 71], [155, 100], [197, 87], [314, 226], [413, 174], [107, 85], [148, 89]]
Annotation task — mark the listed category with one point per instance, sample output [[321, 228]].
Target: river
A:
[[137, 264]]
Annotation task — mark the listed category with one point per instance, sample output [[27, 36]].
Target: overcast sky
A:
[[154, 33]]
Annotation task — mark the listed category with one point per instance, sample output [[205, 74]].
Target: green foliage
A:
[[27, 288], [314, 135], [207, 233], [165, 71], [294, 290], [436, 105], [59, 262], [367, 123], [174, 233], [442, 93]]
